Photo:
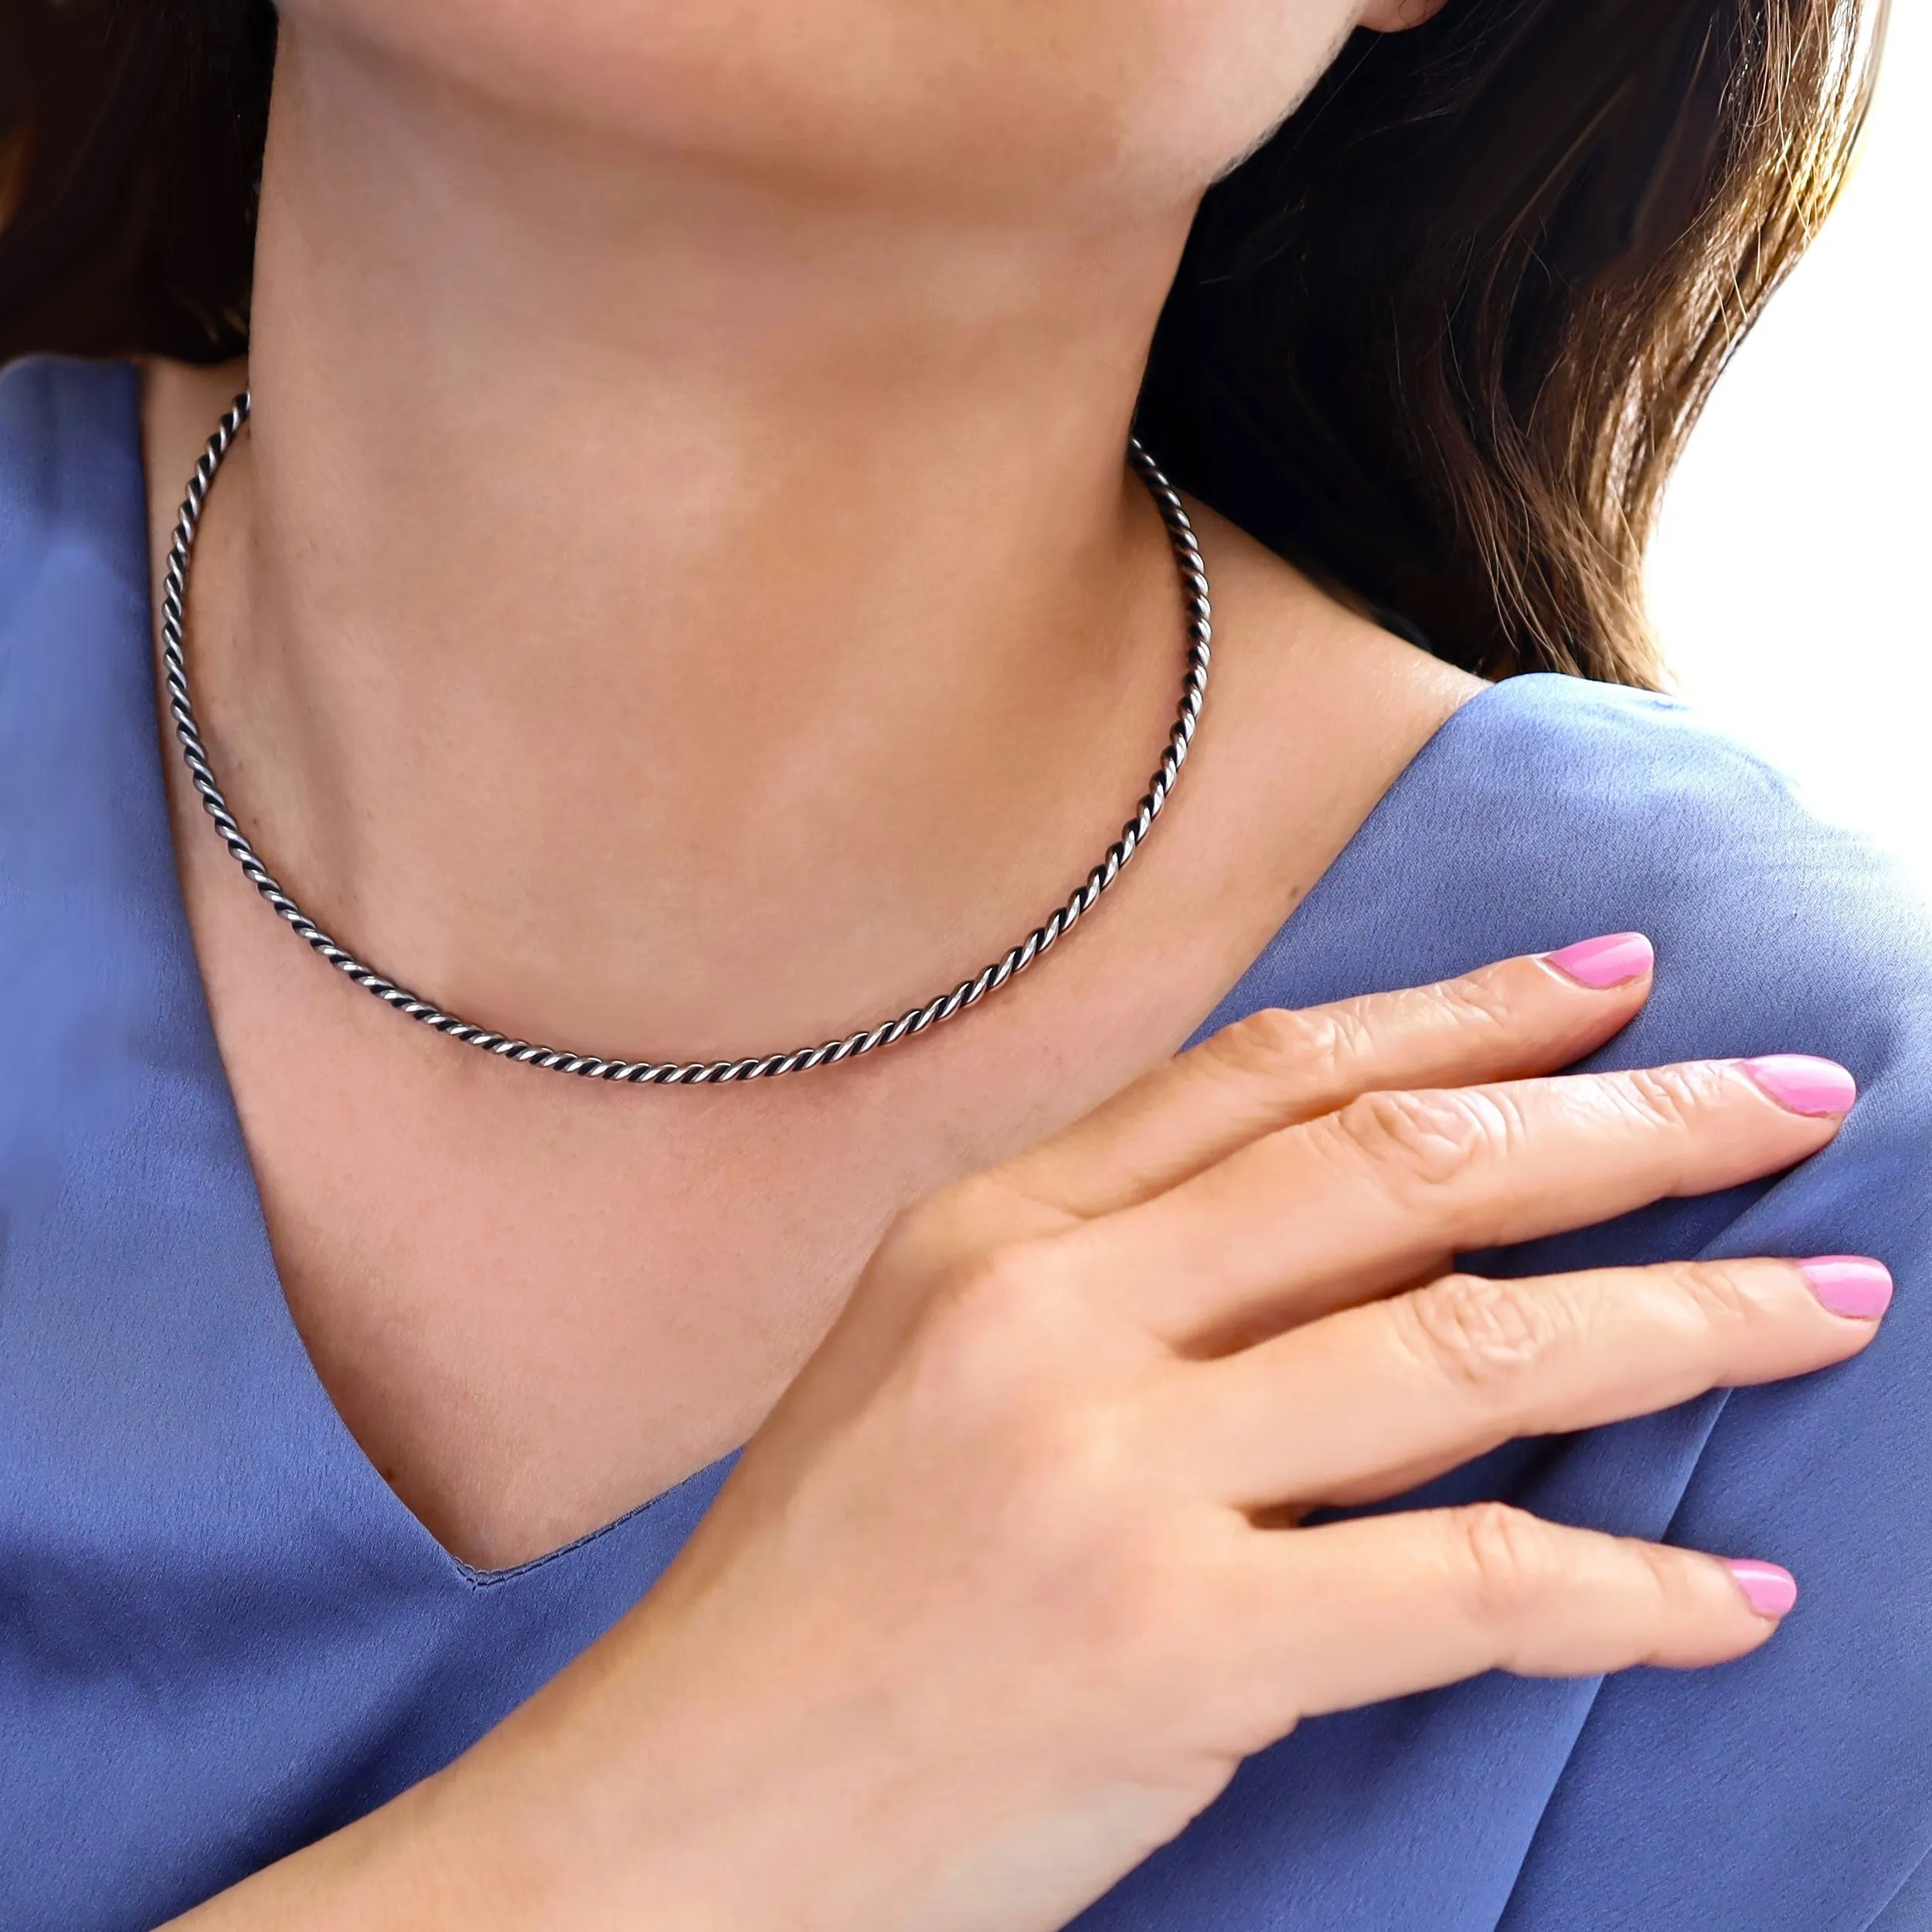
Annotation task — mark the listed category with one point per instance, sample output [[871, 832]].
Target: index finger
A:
[[1278, 1068]]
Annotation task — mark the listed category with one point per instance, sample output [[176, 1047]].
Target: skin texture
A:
[[680, 595]]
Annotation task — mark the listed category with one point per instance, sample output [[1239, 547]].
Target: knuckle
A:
[[965, 1218], [1477, 1002], [1486, 1336], [1311, 1042], [1672, 1098], [1006, 1287], [919, 1225], [1721, 1291], [907, 1254], [1505, 1556], [1662, 1570], [1004, 1355], [1427, 1139], [933, 1233]]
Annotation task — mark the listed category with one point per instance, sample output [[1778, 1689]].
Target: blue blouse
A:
[[221, 1635]]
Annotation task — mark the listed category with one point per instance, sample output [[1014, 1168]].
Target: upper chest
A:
[[537, 1299]]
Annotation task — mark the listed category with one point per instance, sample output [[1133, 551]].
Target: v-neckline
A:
[[286, 1337]]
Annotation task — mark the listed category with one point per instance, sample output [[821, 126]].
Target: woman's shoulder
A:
[[1777, 927], [1549, 809], [1579, 786], [74, 604], [47, 400], [1777, 931], [90, 962], [72, 495], [1563, 808], [1564, 759], [61, 418], [1544, 811]]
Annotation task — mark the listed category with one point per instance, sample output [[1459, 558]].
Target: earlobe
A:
[[1393, 16]]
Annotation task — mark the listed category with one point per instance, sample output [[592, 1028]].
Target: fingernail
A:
[[1614, 960], [1770, 1590], [1850, 1284], [1804, 1084]]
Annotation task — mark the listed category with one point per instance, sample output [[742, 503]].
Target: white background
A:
[[1789, 579]]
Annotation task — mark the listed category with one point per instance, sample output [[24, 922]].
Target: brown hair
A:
[[1439, 340]]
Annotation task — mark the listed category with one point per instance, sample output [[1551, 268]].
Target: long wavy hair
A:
[[1439, 341]]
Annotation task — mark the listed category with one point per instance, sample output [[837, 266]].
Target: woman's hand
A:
[[1011, 1582]]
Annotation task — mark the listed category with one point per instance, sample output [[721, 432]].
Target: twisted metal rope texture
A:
[[969, 993]]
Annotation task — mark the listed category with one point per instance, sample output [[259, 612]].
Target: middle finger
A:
[[1374, 1196]]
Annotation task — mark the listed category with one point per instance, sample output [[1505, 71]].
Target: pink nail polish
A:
[[1770, 1590], [1614, 960], [1804, 1084], [1850, 1284]]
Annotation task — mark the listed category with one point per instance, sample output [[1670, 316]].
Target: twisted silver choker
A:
[[1199, 632]]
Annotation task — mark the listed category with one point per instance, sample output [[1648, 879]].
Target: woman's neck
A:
[[667, 613]]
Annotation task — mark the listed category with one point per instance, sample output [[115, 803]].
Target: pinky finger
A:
[[1382, 1606]]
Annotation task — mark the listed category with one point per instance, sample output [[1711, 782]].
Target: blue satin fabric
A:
[[221, 1635]]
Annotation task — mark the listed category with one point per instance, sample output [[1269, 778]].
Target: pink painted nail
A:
[[1614, 960], [1770, 1590], [1850, 1284], [1804, 1084]]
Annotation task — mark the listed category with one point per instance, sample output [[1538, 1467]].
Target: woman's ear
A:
[[1391, 16]]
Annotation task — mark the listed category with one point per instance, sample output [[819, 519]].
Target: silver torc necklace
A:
[[970, 992]]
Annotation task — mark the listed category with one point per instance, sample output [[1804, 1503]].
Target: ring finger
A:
[[1367, 1403]]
